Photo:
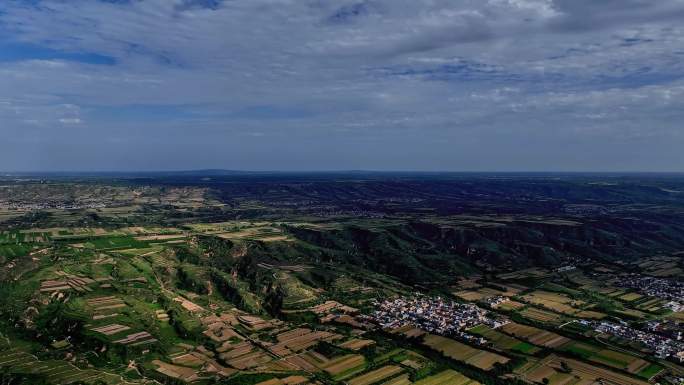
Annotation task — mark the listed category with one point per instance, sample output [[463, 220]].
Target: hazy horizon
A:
[[228, 172]]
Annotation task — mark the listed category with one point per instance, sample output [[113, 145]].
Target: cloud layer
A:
[[342, 84]]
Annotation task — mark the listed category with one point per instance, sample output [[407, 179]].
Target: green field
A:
[[12, 251], [650, 371], [55, 372], [503, 341], [113, 243]]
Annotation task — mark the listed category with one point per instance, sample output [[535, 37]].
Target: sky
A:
[[413, 85]]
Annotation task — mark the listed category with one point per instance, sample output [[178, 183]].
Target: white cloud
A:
[[70, 121], [292, 70]]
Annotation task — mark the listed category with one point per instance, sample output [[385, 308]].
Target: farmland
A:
[[558, 303], [276, 283], [375, 375], [534, 335], [553, 369], [614, 359], [542, 316], [345, 366], [502, 341], [54, 371], [447, 377], [461, 352]]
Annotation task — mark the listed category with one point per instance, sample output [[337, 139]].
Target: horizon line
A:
[[218, 171]]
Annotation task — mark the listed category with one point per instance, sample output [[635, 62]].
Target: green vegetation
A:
[[232, 281], [650, 371]]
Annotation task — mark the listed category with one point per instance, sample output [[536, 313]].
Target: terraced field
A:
[[55, 372]]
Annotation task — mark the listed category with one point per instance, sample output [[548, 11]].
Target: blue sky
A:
[[475, 85]]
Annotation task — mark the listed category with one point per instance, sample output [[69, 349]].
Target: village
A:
[[663, 347], [666, 289], [433, 314]]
